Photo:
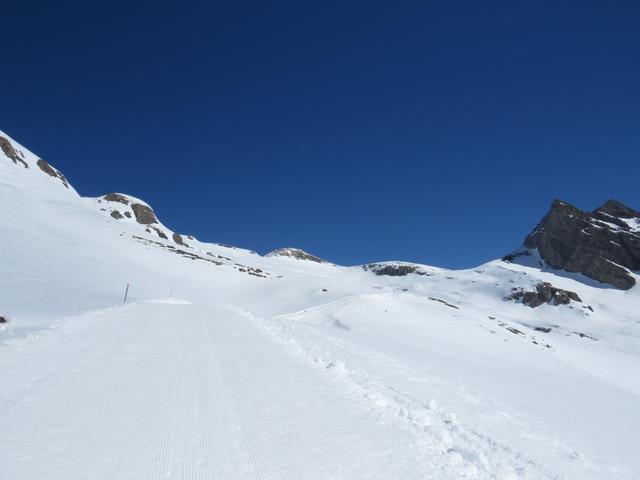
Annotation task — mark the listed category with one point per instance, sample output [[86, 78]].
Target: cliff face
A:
[[603, 244]]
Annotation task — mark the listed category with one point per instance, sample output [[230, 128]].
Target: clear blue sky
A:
[[436, 132]]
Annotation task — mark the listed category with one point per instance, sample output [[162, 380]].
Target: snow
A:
[[273, 367], [633, 223]]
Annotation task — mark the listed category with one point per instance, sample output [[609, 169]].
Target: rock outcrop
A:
[[544, 293], [116, 197], [295, 253], [7, 148], [178, 239], [603, 245], [394, 269], [144, 214], [52, 172]]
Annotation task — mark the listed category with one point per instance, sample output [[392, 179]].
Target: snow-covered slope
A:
[[227, 364]]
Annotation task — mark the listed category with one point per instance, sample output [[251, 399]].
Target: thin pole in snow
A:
[[126, 292]]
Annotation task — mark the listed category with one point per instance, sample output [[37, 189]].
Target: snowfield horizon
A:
[[223, 363]]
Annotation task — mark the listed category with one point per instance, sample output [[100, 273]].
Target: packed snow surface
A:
[[225, 364]]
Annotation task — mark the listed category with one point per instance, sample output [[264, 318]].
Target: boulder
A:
[[144, 214], [544, 293], [178, 239]]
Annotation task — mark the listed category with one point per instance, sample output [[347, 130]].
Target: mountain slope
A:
[[227, 364]]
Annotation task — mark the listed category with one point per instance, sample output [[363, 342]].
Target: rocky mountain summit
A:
[[603, 244], [296, 253]]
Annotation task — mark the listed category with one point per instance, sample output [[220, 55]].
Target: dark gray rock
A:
[[617, 209], [544, 293], [393, 270], [598, 244], [116, 214]]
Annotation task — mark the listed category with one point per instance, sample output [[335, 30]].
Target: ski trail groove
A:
[[188, 392]]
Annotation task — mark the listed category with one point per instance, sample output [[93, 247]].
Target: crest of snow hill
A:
[[603, 245]]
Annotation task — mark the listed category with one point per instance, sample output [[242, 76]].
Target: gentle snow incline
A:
[[162, 390]]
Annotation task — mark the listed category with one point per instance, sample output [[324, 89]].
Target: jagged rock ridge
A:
[[603, 245]]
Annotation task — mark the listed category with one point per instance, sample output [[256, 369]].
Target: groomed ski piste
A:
[[225, 364]]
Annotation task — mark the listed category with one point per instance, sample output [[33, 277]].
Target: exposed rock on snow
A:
[[439, 300], [616, 209], [178, 239], [397, 269], [11, 152], [52, 172], [603, 245], [256, 344], [544, 293], [160, 233], [295, 253], [116, 197], [144, 214]]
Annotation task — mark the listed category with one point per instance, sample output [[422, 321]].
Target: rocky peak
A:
[[617, 209], [295, 253], [603, 245]]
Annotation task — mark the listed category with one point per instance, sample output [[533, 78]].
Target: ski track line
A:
[[227, 455], [476, 449], [194, 392], [263, 462], [149, 448], [246, 442], [89, 453], [24, 388], [334, 455]]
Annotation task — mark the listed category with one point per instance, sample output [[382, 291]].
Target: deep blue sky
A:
[[436, 132]]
